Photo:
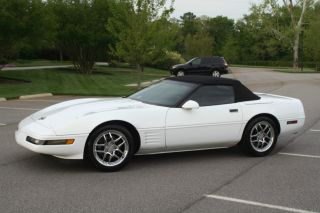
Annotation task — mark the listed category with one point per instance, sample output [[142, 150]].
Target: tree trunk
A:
[[60, 55], [140, 69], [297, 27], [296, 49]]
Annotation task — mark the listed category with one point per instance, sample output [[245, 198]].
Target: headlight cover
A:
[[50, 142]]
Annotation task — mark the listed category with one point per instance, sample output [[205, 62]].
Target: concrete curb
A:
[[35, 96], [3, 99]]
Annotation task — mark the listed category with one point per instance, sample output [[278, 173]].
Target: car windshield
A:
[[165, 93], [191, 60]]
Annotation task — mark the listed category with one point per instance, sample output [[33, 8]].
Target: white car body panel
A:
[[206, 125], [161, 129]]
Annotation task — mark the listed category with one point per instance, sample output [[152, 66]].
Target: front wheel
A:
[[260, 137], [180, 73], [216, 74], [110, 148]]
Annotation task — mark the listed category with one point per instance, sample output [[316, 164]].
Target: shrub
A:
[[167, 60]]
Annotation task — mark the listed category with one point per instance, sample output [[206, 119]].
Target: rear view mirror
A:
[[190, 105]]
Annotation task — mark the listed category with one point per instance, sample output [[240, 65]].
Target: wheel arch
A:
[[268, 115], [131, 128]]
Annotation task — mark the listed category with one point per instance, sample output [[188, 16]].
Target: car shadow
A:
[[53, 164]]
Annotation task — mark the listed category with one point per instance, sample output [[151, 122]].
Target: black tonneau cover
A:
[[242, 93]]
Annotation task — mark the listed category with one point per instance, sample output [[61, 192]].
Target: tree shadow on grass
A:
[[95, 72], [5, 80]]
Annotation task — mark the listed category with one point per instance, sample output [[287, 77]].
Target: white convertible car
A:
[[177, 114]]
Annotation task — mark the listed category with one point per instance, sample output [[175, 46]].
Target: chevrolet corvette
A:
[[184, 113]]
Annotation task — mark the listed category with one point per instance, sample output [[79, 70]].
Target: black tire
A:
[[216, 73], [92, 156], [248, 146]]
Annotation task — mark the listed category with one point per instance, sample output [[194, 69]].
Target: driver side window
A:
[[213, 95], [196, 61]]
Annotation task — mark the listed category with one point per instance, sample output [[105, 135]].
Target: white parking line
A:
[[253, 203], [1, 124], [315, 130], [14, 108], [299, 155]]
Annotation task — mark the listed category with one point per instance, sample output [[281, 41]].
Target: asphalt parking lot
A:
[[205, 181]]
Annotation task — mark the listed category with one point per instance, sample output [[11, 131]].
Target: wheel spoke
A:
[[267, 133], [105, 138], [116, 156], [104, 156], [121, 144], [110, 135], [110, 157], [120, 151], [255, 135], [261, 144], [119, 138]]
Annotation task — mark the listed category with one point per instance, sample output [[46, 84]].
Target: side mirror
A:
[[190, 105], [190, 64]]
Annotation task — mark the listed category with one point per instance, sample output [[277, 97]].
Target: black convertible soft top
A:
[[242, 93]]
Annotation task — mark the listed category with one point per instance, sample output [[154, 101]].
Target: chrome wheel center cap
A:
[[111, 148], [260, 136]]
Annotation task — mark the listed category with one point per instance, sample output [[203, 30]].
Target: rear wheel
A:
[[110, 148], [260, 137], [216, 74]]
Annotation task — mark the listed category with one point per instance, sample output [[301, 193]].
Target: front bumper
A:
[[72, 151]]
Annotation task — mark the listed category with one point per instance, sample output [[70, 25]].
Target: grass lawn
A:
[[35, 63], [105, 81]]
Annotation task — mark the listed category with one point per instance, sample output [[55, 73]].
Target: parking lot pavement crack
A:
[[245, 171]]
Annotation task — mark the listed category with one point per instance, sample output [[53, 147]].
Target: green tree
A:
[[220, 29], [24, 24], [200, 44], [312, 41], [81, 31], [231, 50], [142, 31], [271, 13], [190, 24]]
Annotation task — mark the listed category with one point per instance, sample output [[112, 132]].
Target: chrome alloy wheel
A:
[[216, 74], [262, 136], [180, 73], [110, 148]]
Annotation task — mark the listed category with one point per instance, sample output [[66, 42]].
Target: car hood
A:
[[70, 111], [178, 65]]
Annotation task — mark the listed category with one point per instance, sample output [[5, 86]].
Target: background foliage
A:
[[142, 32]]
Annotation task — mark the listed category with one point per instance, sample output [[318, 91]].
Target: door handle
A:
[[234, 110]]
